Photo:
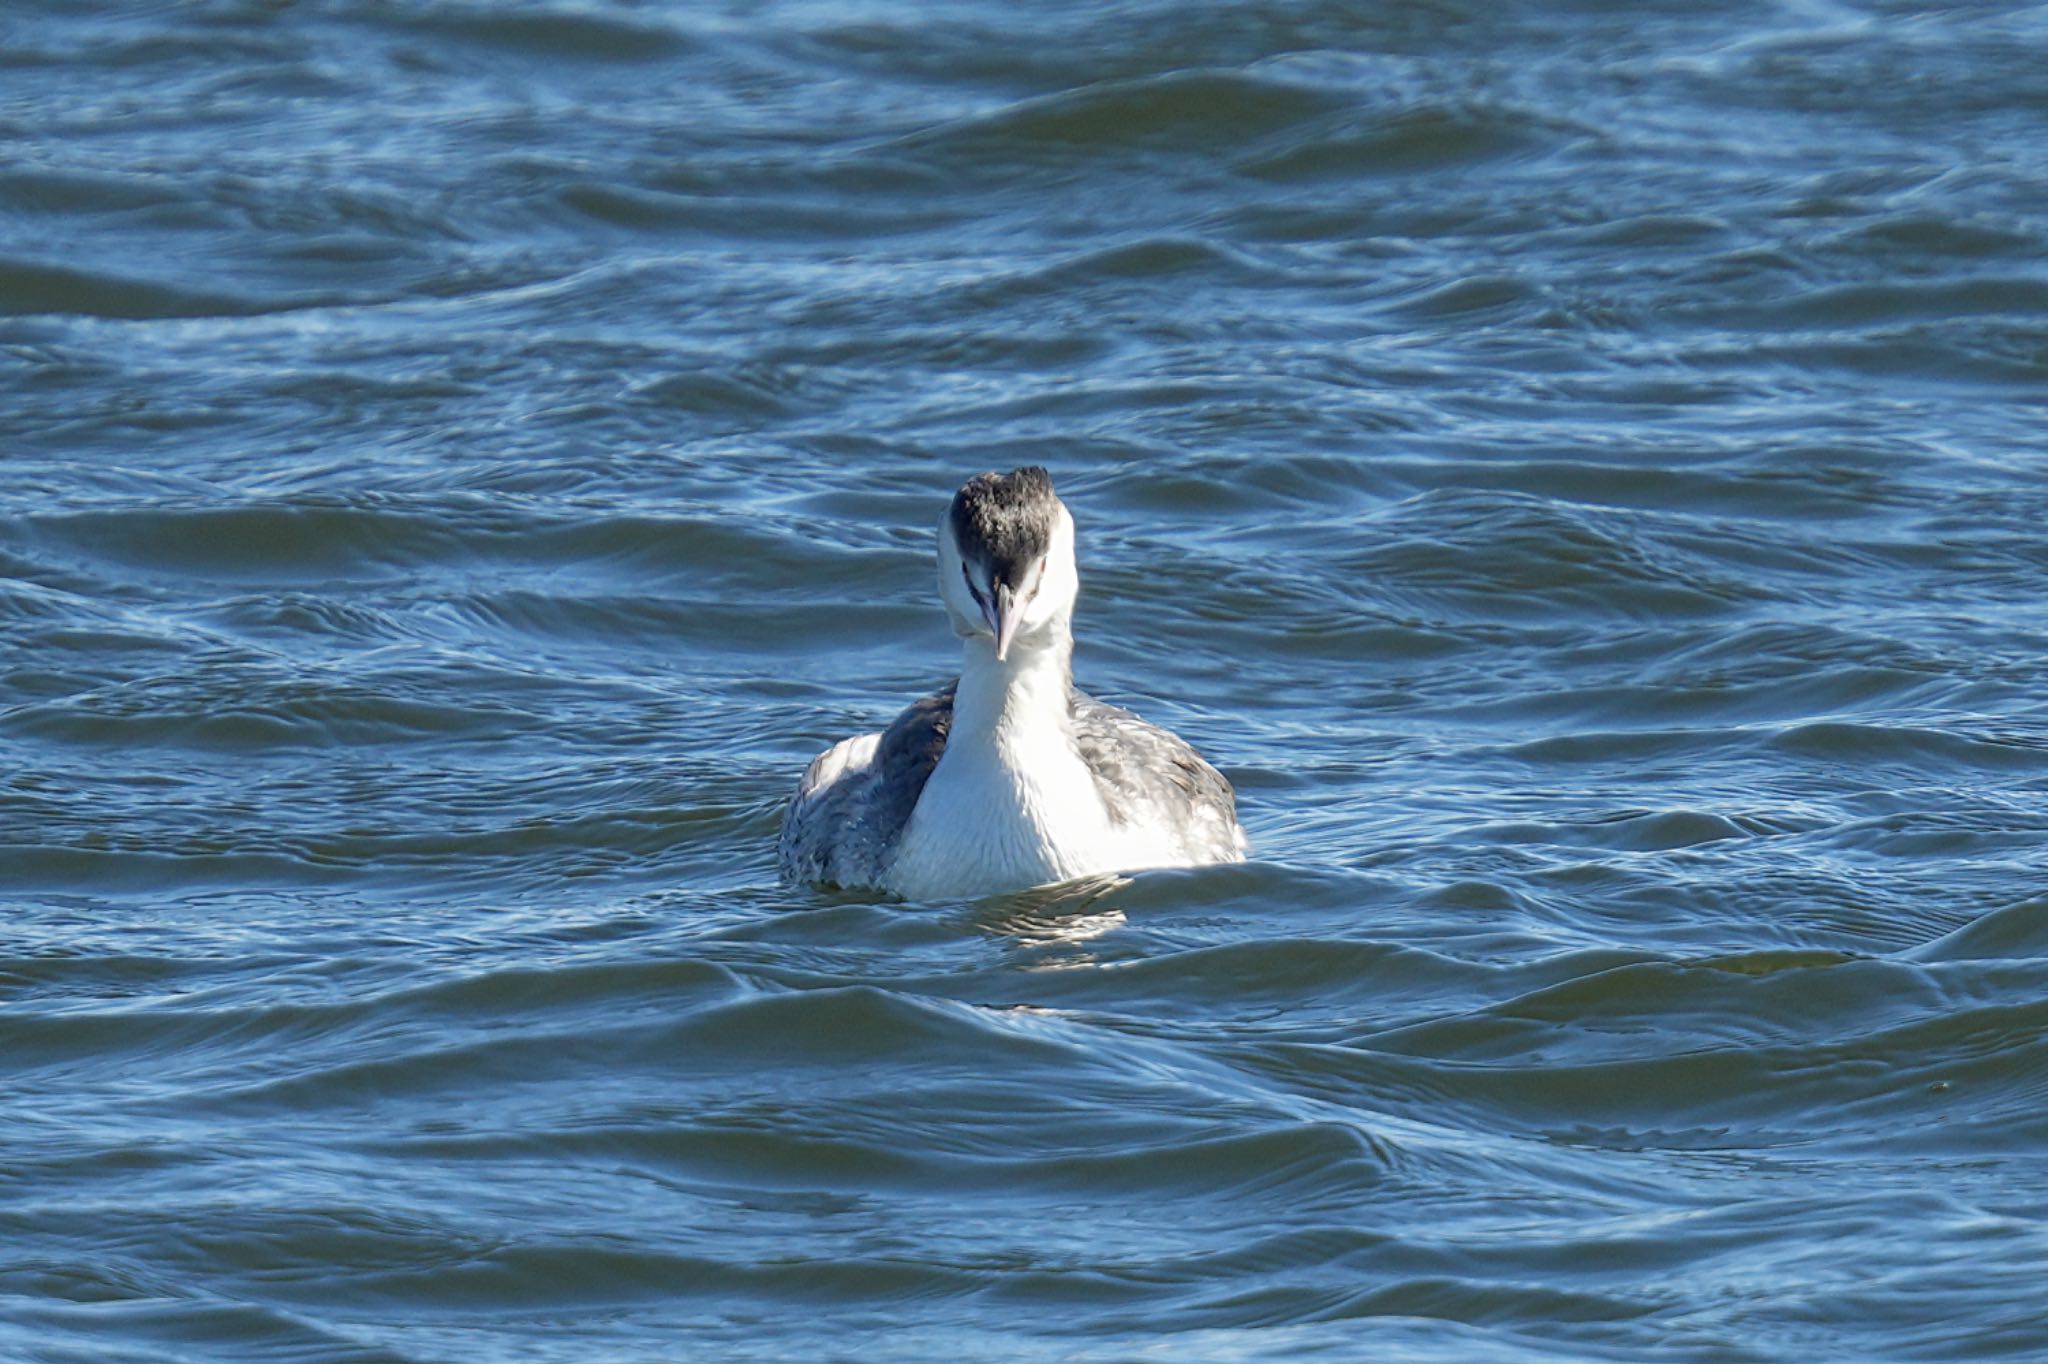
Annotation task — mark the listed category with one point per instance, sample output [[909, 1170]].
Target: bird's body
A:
[[1010, 777]]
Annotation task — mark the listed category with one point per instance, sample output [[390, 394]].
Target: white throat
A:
[[1021, 699], [1010, 802]]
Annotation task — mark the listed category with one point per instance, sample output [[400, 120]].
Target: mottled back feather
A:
[[847, 817], [1148, 773]]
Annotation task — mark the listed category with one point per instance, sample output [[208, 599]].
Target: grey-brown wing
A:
[[1145, 773], [852, 804]]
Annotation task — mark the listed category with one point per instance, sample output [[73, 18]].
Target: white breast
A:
[[1000, 812], [1018, 808]]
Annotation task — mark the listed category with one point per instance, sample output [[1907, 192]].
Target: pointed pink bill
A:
[[1001, 612]]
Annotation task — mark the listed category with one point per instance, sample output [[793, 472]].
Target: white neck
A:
[[1021, 700], [1010, 803]]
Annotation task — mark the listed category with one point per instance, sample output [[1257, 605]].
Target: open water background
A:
[[1578, 467]]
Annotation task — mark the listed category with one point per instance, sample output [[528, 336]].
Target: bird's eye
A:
[[968, 578]]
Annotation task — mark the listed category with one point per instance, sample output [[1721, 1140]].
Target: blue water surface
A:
[[1578, 468]]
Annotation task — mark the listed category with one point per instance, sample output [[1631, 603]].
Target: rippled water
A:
[[1578, 468]]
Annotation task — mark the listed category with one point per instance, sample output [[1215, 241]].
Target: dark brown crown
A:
[[1004, 522]]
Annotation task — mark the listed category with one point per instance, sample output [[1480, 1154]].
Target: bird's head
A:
[[1006, 562]]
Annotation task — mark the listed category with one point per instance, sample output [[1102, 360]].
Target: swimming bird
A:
[[1009, 777]]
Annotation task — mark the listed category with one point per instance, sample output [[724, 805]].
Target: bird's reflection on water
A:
[[1067, 914]]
